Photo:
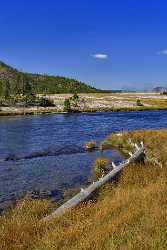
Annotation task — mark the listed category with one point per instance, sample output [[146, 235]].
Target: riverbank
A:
[[40, 111], [97, 102], [128, 214]]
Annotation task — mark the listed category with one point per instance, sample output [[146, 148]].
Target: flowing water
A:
[[46, 152]]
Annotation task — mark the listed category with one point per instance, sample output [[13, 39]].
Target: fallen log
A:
[[85, 193]]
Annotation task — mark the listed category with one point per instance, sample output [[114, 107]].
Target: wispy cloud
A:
[[162, 52], [100, 56]]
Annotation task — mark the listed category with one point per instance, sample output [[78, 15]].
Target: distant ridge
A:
[[159, 89], [41, 83]]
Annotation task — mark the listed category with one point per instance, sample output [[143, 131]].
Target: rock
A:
[[11, 157], [45, 194]]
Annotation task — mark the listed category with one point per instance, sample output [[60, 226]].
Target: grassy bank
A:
[[128, 214]]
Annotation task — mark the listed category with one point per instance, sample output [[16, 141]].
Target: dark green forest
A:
[[14, 83]]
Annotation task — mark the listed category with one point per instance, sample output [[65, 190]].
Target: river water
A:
[[46, 152]]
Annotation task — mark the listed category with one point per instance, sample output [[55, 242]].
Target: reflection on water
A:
[[46, 152]]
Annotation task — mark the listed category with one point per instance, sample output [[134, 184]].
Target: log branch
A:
[[85, 193]]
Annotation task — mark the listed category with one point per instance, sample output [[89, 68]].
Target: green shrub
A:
[[45, 102], [138, 102], [67, 105], [75, 99]]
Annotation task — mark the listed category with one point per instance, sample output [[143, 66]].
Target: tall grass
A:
[[131, 214], [99, 167]]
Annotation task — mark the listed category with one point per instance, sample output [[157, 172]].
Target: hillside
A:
[[15, 80], [159, 89]]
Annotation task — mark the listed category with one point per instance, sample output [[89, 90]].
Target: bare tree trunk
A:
[[85, 193]]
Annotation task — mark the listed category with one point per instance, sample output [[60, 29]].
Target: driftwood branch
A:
[[85, 193]]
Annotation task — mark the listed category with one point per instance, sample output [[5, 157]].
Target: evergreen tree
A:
[[75, 99], [67, 105], [7, 90], [27, 90]]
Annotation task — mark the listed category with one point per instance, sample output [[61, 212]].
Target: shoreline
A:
[[42, 111], [93, 103]]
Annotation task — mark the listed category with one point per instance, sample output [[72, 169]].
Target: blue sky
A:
[[109, 44]]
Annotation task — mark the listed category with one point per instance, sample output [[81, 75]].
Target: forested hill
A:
[[44, 84]]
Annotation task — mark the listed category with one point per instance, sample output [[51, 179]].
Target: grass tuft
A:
[[90, 145], [99, 167]]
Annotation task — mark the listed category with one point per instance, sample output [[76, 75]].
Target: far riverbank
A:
[[13, 111], [94, 103]]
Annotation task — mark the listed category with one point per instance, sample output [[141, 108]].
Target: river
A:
[[46, 152]]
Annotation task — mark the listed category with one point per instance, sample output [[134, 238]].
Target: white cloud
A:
[[100, 56], [163, 52]]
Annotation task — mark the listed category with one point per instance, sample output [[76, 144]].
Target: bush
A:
[[75, 99], [30, 99], [163, 93], [44, 102], [99, 167], [67, 105], [138, 102]]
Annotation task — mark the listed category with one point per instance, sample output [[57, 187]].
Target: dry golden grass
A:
[[131, 214], [156, 102], [19, 227]]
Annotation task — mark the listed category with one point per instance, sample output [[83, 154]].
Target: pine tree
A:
[[67, 105], [7, 90]]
